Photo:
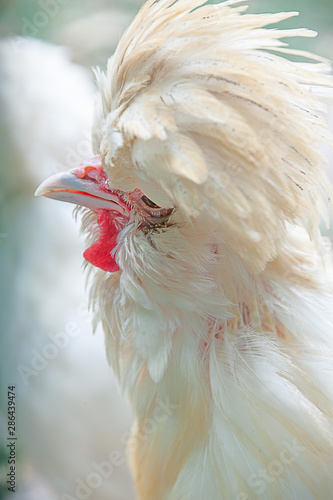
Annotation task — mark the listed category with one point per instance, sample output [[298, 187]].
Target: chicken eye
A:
[[149, 203]]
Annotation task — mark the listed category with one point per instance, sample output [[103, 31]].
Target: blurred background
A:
[[71, 420], [92, 29]]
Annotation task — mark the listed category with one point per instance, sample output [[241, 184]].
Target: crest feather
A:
[[211, 112]]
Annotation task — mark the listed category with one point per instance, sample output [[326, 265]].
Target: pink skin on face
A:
[[99, 254]]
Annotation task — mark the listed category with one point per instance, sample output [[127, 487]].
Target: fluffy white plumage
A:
[[222, 311]]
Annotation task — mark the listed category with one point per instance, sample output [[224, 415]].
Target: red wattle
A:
[[99, 253]]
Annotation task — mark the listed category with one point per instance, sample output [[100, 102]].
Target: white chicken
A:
[[215, 287]]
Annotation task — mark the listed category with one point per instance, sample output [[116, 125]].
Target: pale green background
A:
[[315, 14]]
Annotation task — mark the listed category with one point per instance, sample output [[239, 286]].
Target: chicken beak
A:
[[85, 186]]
